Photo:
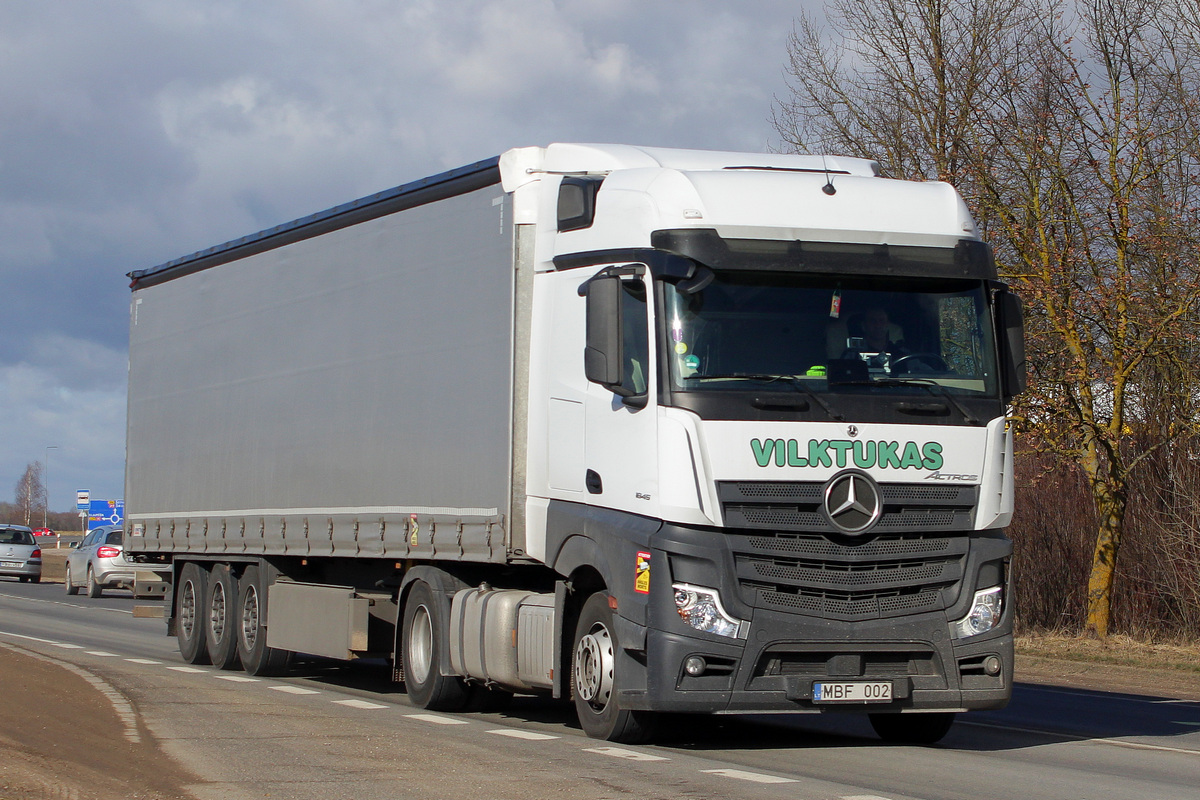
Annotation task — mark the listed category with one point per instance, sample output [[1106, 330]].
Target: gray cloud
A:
[[136, 131]]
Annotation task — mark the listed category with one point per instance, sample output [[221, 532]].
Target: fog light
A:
[[701, 608], [985, 612], [991, 665], [694, 665]]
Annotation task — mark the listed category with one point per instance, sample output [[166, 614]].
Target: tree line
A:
[[1072, 128]]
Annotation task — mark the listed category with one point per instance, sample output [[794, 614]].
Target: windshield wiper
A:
[[794, 381], [935, 388]]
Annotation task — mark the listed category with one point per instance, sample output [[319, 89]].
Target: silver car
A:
[[98, 563], [20, 554]]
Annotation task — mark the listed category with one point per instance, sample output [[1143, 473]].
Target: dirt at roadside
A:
[[60, 737]]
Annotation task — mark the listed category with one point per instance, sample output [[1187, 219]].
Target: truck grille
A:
[[796, 506], [792, 560]]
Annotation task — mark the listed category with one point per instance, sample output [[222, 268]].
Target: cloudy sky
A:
[[133, 132]]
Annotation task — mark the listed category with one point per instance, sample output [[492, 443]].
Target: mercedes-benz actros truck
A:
[[648, 430]]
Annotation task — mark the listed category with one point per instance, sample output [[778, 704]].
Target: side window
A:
[[636, 354], [114, 537]]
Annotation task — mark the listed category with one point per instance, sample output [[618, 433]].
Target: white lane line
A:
[[863, 797], [148, 661], [66, 646], [519, 734], [631, 755], [293, 690], [358, 704], [437, 720], [236, 678], [741, 775], [186, 669], [101, 653]]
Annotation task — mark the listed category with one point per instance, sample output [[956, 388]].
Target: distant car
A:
[[42, 532], [98, 563], [20, 555]]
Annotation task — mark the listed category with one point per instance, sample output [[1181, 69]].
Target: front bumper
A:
[[774, 671]]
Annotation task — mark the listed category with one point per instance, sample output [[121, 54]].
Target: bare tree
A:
[[31, 492], [1072, 131]]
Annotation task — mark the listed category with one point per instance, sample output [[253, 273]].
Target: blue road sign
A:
[[106, 512]]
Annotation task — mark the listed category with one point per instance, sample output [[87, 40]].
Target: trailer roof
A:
[[426, 190]]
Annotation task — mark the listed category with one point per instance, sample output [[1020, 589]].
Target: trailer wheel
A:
[[189, 613], [250, 623], [596, 679], [71, 588], [912, 728], [423, 629], [221, 630]]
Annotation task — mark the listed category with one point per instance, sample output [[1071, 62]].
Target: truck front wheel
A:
[[423, 629], [189, 613], [596, 679]]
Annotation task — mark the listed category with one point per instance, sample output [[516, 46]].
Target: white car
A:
[[20, 554], [98, 563]]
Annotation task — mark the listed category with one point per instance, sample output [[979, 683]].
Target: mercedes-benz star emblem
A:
[[852, 501]]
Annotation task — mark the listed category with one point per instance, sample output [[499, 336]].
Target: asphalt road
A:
[[328, 731]]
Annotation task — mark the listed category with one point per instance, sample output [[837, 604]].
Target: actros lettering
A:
[[846, 452]]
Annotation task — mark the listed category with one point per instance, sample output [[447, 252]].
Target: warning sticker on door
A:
[[641, 580]]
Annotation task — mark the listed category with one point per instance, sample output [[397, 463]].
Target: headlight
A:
[[701, 609], [985, 613]]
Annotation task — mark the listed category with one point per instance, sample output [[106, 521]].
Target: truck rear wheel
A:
[[250, 624], [596, 679], [189, 613], [221, 630], [912, 728], [423, 629]]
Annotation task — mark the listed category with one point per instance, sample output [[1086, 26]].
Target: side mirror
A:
[[602, 353], [1012, 330]]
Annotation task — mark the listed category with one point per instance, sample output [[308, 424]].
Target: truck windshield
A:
[[825, 333]]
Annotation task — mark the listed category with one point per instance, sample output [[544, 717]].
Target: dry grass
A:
[[1118, 649]]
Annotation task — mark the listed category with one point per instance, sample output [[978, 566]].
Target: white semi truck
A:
[[654, 430]]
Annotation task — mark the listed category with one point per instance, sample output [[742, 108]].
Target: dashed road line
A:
[[631, 755], [517, 733], [293, 689], [145, 661], [437, 719], [742, 775], [101, 653], [358, 704], [236, 678], [190, 670]]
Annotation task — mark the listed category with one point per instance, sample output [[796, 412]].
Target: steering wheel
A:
[[933, 359]]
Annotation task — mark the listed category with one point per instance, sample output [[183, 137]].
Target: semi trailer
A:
[[648, 430]]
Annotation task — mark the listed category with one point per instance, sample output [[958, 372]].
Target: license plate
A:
[[853, 692], [12, 564]]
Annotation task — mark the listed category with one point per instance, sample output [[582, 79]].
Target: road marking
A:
[[186, 669], [519, 734], [863, 797], [293, 690], [753, 777], [236, 678], [632, 755], [143, 661], [101, 653], [358, 704], [66, 646], [437, 720]]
